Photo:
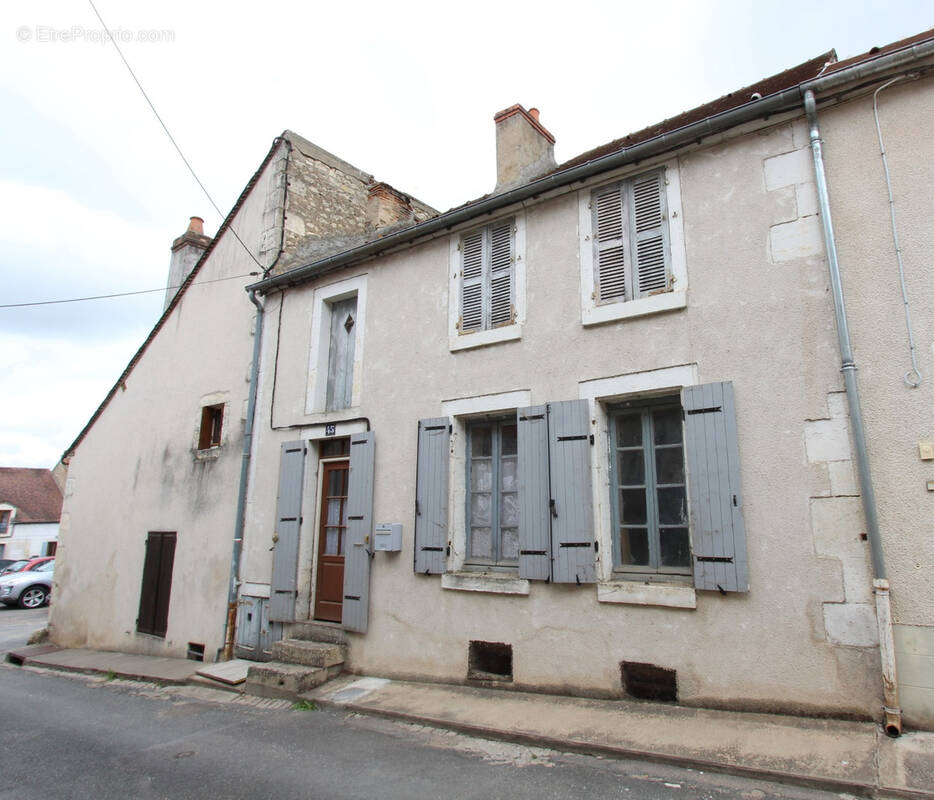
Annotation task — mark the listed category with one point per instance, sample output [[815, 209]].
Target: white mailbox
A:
[[387, 536]]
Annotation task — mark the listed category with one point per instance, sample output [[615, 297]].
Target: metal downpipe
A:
[[893, 714], [230, 626]]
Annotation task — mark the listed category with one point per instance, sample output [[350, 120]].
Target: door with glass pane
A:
[[329, 590]]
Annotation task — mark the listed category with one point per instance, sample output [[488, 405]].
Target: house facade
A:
[[595, 433], [150, 519], [605, 408], [30, 509]]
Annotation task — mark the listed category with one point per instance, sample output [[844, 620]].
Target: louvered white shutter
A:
[[501, 273], [609, 244], [472, 281], [650, 245]]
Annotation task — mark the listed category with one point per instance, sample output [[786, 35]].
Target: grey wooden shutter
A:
[[715, 502], [288, 524], [534, 514], [650, 241], [358, 544], [502, 271], [609, 243], [472, 281], [572, 536], [431, 496]]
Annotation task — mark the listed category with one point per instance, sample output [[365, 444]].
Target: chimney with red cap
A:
[[186, 250], [525, 150]]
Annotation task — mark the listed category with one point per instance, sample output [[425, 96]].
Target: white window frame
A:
[[502, 333], [601, 393], [594, 313], [461, 411], [317, 389]]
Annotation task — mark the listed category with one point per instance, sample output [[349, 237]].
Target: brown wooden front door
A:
[[329, 593]]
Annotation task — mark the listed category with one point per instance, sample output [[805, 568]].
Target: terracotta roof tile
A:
[[766, 86], [34, 492]]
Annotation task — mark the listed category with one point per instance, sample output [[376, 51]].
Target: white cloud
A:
[[52, 387], [111, 250]]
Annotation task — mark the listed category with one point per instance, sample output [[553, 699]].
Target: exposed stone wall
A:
[[328, 206], [326, 197]]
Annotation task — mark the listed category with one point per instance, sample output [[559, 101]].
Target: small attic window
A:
[[212, 420]]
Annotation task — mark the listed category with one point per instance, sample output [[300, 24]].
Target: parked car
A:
[[29, 588], [5, 562], [26, 564]]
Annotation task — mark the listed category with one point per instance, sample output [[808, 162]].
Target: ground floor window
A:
[[492, 493], [648, 490]]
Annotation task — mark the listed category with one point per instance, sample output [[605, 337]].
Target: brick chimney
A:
[[186, 250], [385, 206], [525, 150]]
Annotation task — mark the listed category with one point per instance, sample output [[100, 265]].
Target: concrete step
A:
[[309, 654], [318, 632], [288, 681]]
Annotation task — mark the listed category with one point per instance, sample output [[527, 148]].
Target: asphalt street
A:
[[17, 624], [76, 736]]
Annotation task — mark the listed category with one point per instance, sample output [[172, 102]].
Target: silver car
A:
[[29, 589]]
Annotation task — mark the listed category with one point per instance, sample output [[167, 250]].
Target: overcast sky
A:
[[92, 193]]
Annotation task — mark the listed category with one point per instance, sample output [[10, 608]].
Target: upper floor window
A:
[[487, 276], [630, 239], [487, 284], [337, 343], [5, 521], [343, 337], [212, 424], [492, 493], [632, 247]]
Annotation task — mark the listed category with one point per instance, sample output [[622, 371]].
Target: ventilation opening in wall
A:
[[489, 661], [195, 651], [649, 682]]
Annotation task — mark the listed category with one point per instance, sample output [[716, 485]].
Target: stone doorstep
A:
[[310, 654], [318, 632], [288, 681]]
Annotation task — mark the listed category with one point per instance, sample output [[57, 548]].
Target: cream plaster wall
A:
[[138, 469], [896, 416], [758, 314]]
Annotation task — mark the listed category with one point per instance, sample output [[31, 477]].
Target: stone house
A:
[[150, 517], [30, 509], [597, 432]]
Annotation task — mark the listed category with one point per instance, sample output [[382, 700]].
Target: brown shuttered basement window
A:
[[157, 583]]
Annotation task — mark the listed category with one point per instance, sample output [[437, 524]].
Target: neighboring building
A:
[[588, 434], [151, 491], [30, 510]]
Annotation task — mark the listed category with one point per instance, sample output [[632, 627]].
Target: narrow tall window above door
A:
[[341, 346]]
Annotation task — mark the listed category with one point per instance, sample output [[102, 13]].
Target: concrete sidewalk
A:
[[828, 754]]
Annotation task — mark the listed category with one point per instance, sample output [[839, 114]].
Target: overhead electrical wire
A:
[[122, 294], [178, 149]]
